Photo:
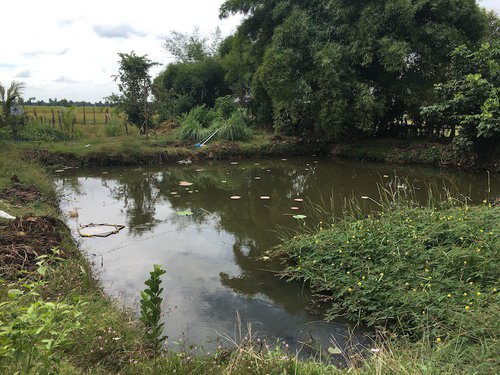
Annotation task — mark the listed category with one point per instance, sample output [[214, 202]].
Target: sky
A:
[[68, 49]]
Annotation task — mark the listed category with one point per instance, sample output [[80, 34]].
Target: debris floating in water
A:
[[184, 213], [59, 170], [294, 208], [99, 230], [386, 176], [200, 170], [235, 197], [299, 216], [365, 197], [234, 163], [283, 159], [174, 193], [185, 183], [256, 178], [265, 197], [298, 200]]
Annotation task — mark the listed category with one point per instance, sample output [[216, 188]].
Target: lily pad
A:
[[184, 213], [299, 216]]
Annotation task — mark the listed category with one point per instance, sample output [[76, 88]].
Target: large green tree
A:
[[134, 84], [470, 99], [342, 67], [195, 78]]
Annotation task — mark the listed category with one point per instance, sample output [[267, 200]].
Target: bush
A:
[[36, 131], [201, 122], [234, 129], [114, 128]]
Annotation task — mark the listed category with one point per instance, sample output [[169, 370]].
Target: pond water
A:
[[213, 258]]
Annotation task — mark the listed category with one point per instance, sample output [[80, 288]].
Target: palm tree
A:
[[10, 95]]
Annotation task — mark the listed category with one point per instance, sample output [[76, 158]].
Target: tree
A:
[[470, 98], [189, 48], [344, 68], [9, 96], [134, 83]]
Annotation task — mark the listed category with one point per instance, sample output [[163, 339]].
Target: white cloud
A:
[[123, 30]]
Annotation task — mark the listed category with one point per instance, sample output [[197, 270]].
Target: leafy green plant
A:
[[35, 332], [234, 129], [114, 128], [36, 131], [68, 119], [192, 130], [151, 309]]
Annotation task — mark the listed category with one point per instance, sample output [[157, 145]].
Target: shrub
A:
[[192, 130], [234, 129], [37, 131], [225, 106], [114, 128]]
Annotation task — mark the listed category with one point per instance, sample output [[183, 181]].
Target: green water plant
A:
[[151, 309]]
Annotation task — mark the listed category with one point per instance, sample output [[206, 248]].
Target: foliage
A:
[[114, 128], [151, 309], [343, 68], [10, 95], [188, 85], [36, 131], [421, 270], [68, 119], [134, 84], [225, 118], [470, 98], [34, 336], [189, 48]]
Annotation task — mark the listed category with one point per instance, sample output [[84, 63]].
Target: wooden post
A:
[[93, 113], [84, 117], [34, 113], [106, 116], [53, 119]]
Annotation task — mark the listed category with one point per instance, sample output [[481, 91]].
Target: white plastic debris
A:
[[5, 215]]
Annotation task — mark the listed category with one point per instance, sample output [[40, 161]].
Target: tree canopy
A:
[[346, 67]]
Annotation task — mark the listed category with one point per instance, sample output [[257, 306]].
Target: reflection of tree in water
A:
[[256, 278], [140, 194]]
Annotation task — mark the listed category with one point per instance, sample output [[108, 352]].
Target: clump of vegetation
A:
[[225, 118], [424, 272], [470, 100], [114, 128], [36, 131]]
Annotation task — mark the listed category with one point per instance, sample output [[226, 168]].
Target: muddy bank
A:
[[24, 240]]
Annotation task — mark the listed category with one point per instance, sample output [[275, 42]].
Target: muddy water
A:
[[213, 257]]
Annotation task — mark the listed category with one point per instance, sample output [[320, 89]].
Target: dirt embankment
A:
[[25, 239]]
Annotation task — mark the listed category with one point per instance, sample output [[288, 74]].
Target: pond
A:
[[213, 247]]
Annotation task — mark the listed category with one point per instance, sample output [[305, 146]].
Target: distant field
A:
[[84, 115]]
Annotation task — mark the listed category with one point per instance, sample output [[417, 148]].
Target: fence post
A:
[[106, 117], [84, 117], [53, 119], [93, 113]]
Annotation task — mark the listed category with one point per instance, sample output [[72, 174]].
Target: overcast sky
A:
[[68, 49]]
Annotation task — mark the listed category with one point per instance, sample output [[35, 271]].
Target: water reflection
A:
[[213, 258]]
